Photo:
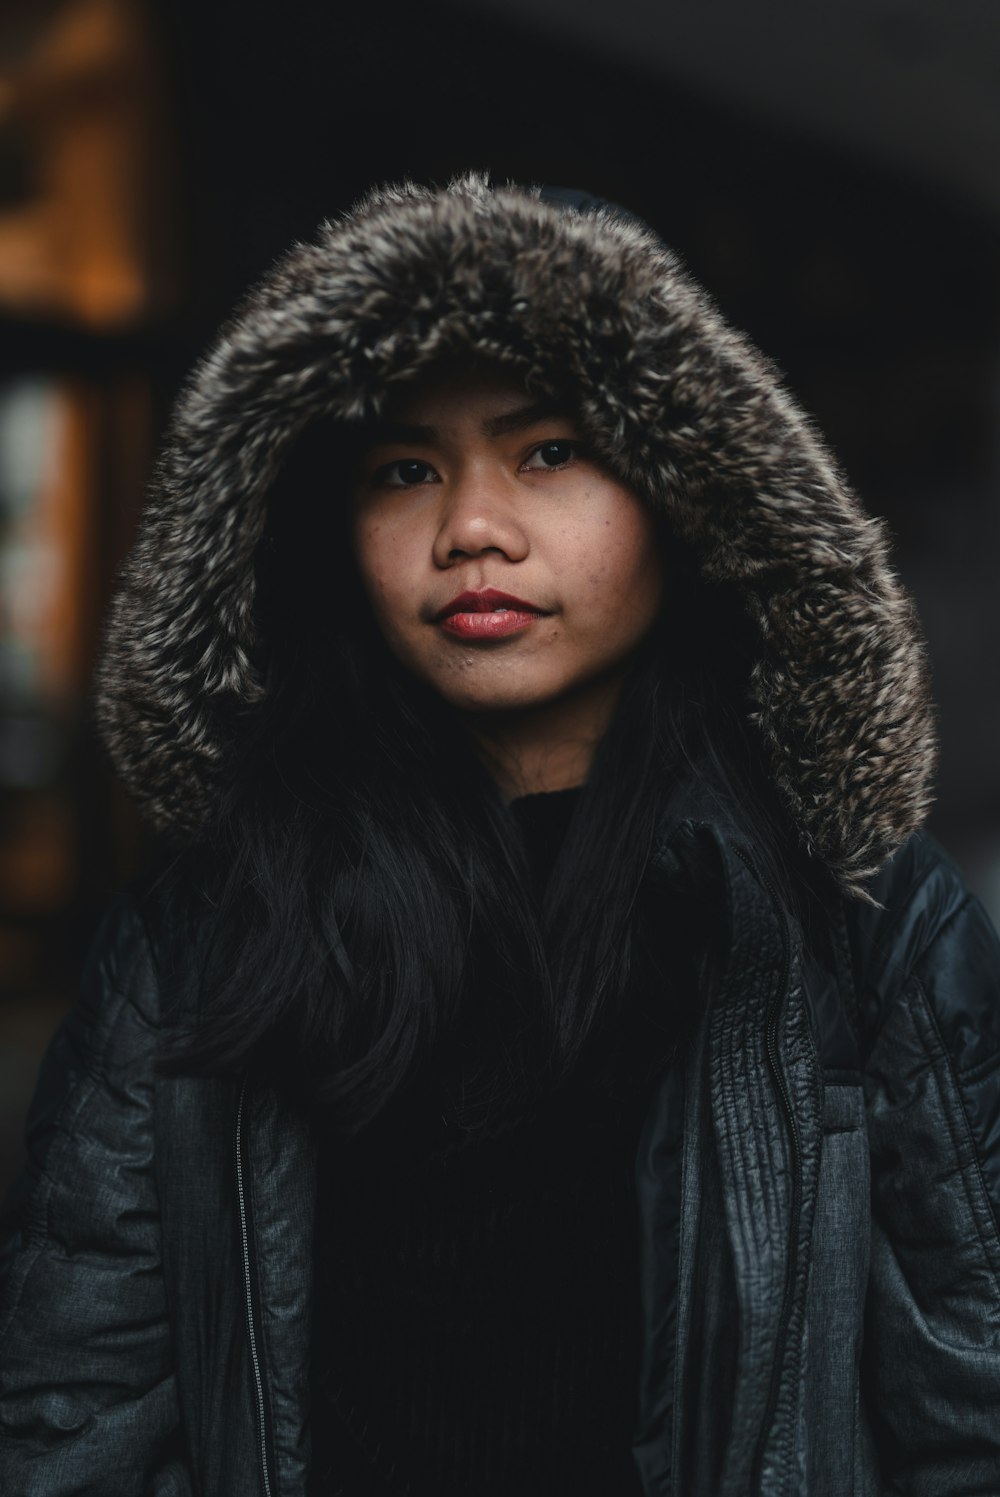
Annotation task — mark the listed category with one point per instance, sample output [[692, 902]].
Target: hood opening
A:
[[566, 294]]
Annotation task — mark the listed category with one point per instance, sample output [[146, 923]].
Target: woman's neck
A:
[[549, 747]]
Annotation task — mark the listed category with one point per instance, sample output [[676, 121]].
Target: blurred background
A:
[[832, 174]]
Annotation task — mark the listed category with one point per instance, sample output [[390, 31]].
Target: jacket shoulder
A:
[[88, 1398], [122, 965], [931, 929], [105, 1041]]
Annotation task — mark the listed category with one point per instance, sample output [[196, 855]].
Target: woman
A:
[[553, 1060]]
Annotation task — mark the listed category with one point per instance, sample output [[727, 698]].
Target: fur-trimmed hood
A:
[[681, 407]]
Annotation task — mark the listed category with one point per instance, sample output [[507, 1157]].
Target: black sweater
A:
[[477, 1318]]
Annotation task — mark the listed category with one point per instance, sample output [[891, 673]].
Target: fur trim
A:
[[682, 408]]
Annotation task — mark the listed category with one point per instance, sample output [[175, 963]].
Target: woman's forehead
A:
[[453, 382], [492, 400]]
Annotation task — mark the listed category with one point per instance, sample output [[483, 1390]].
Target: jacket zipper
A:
[[247, 1285], [774, 1066]]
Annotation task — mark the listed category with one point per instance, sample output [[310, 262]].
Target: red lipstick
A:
[[487, 614]]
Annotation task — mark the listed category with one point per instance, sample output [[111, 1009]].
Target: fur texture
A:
[[680, 405]]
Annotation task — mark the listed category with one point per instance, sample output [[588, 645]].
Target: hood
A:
[[560, 288]]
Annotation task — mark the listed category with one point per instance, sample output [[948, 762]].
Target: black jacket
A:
[[838, 1203], [818, 1187]]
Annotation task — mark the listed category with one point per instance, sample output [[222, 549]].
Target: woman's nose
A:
[[478, 514]]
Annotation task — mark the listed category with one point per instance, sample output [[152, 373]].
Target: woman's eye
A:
[[553, 454], [405, 473]]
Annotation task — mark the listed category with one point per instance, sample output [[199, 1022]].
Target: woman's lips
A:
[[492, 625], [487, 613]]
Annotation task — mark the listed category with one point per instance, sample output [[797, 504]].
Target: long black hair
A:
[[367, 883]]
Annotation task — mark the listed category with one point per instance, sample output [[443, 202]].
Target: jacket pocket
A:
[[843, 1106], [173, 1480]]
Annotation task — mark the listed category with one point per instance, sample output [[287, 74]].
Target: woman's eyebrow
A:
[[383, 432], [525, 415], [493, 426]]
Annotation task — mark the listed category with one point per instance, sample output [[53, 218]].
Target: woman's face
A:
[[470, 486]]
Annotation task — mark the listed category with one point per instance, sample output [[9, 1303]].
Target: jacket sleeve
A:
[[88, 1401], [931, 996]]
